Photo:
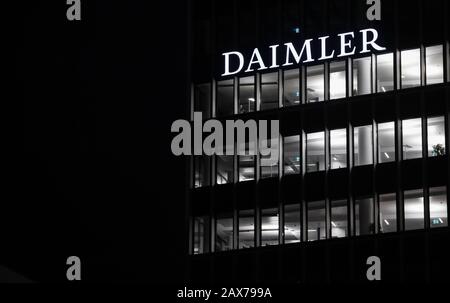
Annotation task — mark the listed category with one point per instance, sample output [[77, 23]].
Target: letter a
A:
[[74, 12], [74, 271], [374, 12], [374, 271]]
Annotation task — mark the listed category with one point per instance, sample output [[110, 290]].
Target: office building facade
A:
[[362, 168]]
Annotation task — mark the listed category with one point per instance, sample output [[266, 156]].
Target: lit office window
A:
[[385, 72], [386, 142], [414, 209], [315, 152], [436, 136], [339, 225], [269, 227], [247, 98], [224, 167], [362, 76], [291, 155], [291, 91], [269, 91], [315, 83], [246, 168], [364, 216], [202, 100], [202, 169], [434, 64], [224, 233], [269, 163], [316, 220], [202, 236], [292, 228], [246, 222], [338, 148], [410, 72], [388, 213], [363, 145], [412, 138], [338, 83], [225, 98], [438, 207]]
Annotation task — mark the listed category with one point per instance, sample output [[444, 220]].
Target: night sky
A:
[[93, 174]]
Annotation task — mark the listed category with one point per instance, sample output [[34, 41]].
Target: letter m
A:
[[241, 127]]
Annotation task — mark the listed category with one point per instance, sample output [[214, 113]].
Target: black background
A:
[[93, 174]]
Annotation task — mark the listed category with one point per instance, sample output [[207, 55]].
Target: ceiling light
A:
[[440, 220], [386, 221], [251, 99], [383, 89], [334, 224], [386, 154]]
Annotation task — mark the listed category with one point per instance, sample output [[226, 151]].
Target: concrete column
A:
[[364, 77], [365, 145]]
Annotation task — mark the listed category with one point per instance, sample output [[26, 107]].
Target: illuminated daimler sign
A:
[[346, 48]]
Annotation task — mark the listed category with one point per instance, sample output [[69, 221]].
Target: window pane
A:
[[246, 229], [364, 216], [414, 211], [362, 145], [436, 136], [247, 94], [291, 155], [388, 213], [338, 146], [385, 72], [291, 87], [292, 230], [202, 171], [269, 227], [362, 76], [315, 151], [339, 226], [202, 235], [386, 142], [269, 91], [434, 64], [246, 168], [412, 138], [269, 163], [438, 207], [224, 233], [224, 169], [202, 99], [315, 83], [316, 220], [410, 72], [338, 83], [225, 104]]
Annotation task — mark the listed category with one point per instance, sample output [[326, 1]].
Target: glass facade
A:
[[315, 151], [410, 68], [291, 87], [363, 145], [291, 155], [362, 76], [315, 85], [305, 152], [338, 148]]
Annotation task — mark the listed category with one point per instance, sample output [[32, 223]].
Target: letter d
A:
[[227, 63]]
